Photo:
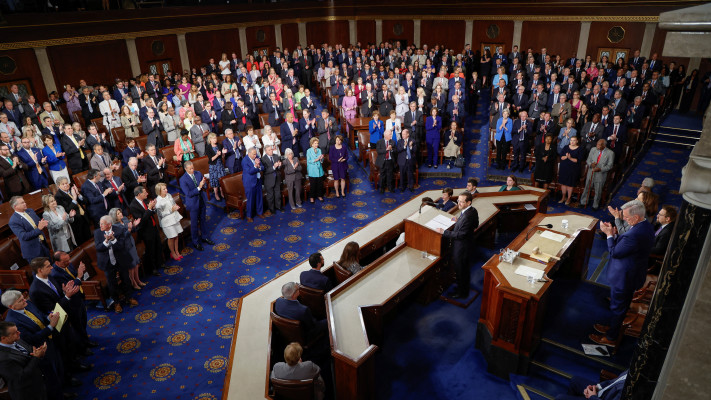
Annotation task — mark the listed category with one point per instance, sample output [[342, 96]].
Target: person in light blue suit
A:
[[252, 171], [503, 138]]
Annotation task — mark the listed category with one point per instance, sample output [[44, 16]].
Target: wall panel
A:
[[148, 53], [211, 44], [99, 62], [366, 32], [634, 33], [330, 32], [558, 37], [447, 33], [407, 34], [259, 37], [658, 47], [479, 35], [290, 36], [26, 68]]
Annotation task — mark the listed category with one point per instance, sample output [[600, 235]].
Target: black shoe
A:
[[198, 247], [91, 344], [69, 395], [155, 273], [81, 368], [208, 241], [74, 382]]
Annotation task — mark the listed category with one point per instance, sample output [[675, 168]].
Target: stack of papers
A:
[[440, 221], [528, 271], [552, 236]]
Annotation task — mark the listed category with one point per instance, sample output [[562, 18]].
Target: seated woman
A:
[[452, 144], [350, 258], [511, 184], [295, 369], [445, 203]]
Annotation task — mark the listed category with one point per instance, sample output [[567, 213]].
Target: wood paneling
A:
[[365, 32], [146, 55], [447, 33], [26, 69], [408, 30], [634, 33], [211, 44], [557, 37], [330, 32], [100, 62], [290, 36], [254, 34], [505, 34]]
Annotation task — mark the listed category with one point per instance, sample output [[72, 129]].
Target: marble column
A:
[[243, 40], [647, 39], [583, 39], [45, 69], [133, 56], [183, 50], [378, 31], [352, 31], [518, 27], [468, 32], [277, 35], [302, 35], [417, 32]]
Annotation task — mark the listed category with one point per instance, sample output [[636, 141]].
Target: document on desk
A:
[[528, 271], [440, 221], [553, 236]]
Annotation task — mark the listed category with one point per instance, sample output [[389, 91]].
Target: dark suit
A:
[[22, 373], [287, 137], [89, 107], [195, 203], [31, 245], [661, 240], [149, 232], [460, 235], [80, 226], [610, 390], [97, 205], [129, 178], [519, 140], [16, 182], [619, 144], [122, 260], [417, 132], [386, 103], [274, 110], [91, 141], [627, 270], [78, 316], [154, 174], [308, 103], [252, 182], [407, 162], [233, 157], [315, 279], [154, 132], [38, 179], [386, 163], [272, 182], [45, 298], [77, 160], [292, 309]]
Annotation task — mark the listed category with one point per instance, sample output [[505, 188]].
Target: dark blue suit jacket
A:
[[30, 245], [38, 181], [191, 192], [612, 388], [233, 159], [62, 277], [315, 279], [31, 333], [45, 298], [292, 309], [287, 137], [629, 254], [249, 174], [95, 200], [120, 248]]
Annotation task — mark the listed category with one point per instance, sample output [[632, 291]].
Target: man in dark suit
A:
[[288, 306], [272, 180], [117, 198], [666, 218], [148, 230], [592, 132], [89, 105], [95, 194], [243, 116], [252, 170], [132, 177], [314, 278], [153, 87], [387, 153], [616, 135], [72, 145], [327, 129], [274, 109], [369, 100], [235, 149], [627, 270], [455, 111], [519, 101], [20, 365], [27, 226], [415, 123], [520, 134], [154, 165], [12, 169], [45, 292], [497, 107], [618, 105], [307, 102], [64, 272], [406, 156], [635, 113], [386, 101], [460, 235], [137, 93], [112, 257], [581, 388], [546, 126], [192, 184], [153, 128], [290, 135]]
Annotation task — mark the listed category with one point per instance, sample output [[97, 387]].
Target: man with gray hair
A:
[[112, 256], [627, 270], [600, 161], [288, 306]]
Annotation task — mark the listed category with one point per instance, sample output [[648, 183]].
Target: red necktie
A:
[[598, 158], [614, 132], [116, 189], [244, 119]]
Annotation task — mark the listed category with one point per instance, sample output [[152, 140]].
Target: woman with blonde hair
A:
[[60, 230], [129, 121], [169, 219]]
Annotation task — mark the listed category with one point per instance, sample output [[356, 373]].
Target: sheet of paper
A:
[[595, 350], [62, 317], [529, 207], [552, 236], [85, 277], [528, 271], [15, 267], [432, 257], [36, 191], [440, 221]]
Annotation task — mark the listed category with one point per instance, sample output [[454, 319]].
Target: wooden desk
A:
[[355, 125], [512, 309], [34, 202], [248, 373]]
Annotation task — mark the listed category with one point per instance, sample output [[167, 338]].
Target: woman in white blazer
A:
[[169, 219]]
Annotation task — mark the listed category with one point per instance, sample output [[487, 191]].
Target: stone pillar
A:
[[468, 31], [183, 49], [378, 31], [302, 35], [277, 35], [417, 32], [518, 27], [353, 31], [646, 49], [583, 39], [243, 40], [133, 56], [45, 69]]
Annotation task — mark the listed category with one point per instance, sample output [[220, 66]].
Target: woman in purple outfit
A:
[[338, 155]]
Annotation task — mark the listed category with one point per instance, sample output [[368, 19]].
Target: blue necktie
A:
[[52, 286]]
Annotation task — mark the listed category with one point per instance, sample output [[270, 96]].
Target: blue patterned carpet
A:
[[175, 344]]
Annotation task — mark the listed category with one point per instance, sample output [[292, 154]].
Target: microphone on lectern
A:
[[549, 226]]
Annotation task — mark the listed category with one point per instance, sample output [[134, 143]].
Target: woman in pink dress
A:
[[349, 105], [184, 87], [576, 103], [278, 88], [359, 87], [592, 71]]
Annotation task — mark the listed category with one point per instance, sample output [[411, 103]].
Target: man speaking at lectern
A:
[[460, 235]]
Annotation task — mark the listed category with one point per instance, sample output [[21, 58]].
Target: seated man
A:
[[665, 218], [288, 306], [294, 368], [582, 389], [472, 183], [314, 278], [445, 202]]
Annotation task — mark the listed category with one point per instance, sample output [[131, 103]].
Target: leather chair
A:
[[79, 179], [235, 197], [314, 300], [141, 142], [96, 287], [119, 135], [363, 143], [341, 273], [202, 164], [293, 389], [16, 280], [290, 329], [77, 117], [11, 254], [172, 166], [263, 120]]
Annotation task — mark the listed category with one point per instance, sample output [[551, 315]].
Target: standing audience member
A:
[[95, 195], [215, 153], [192, 184], [433, 124], [27, 227], [600, 161], [145, 213], [169, 219], [272, 180], [387, 151], [314, 170], [338, 155], [571, 160], [64, 272], [293, 176], [13, 171], [252, 170], [406, 153], [58, 224], [114, 258]]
